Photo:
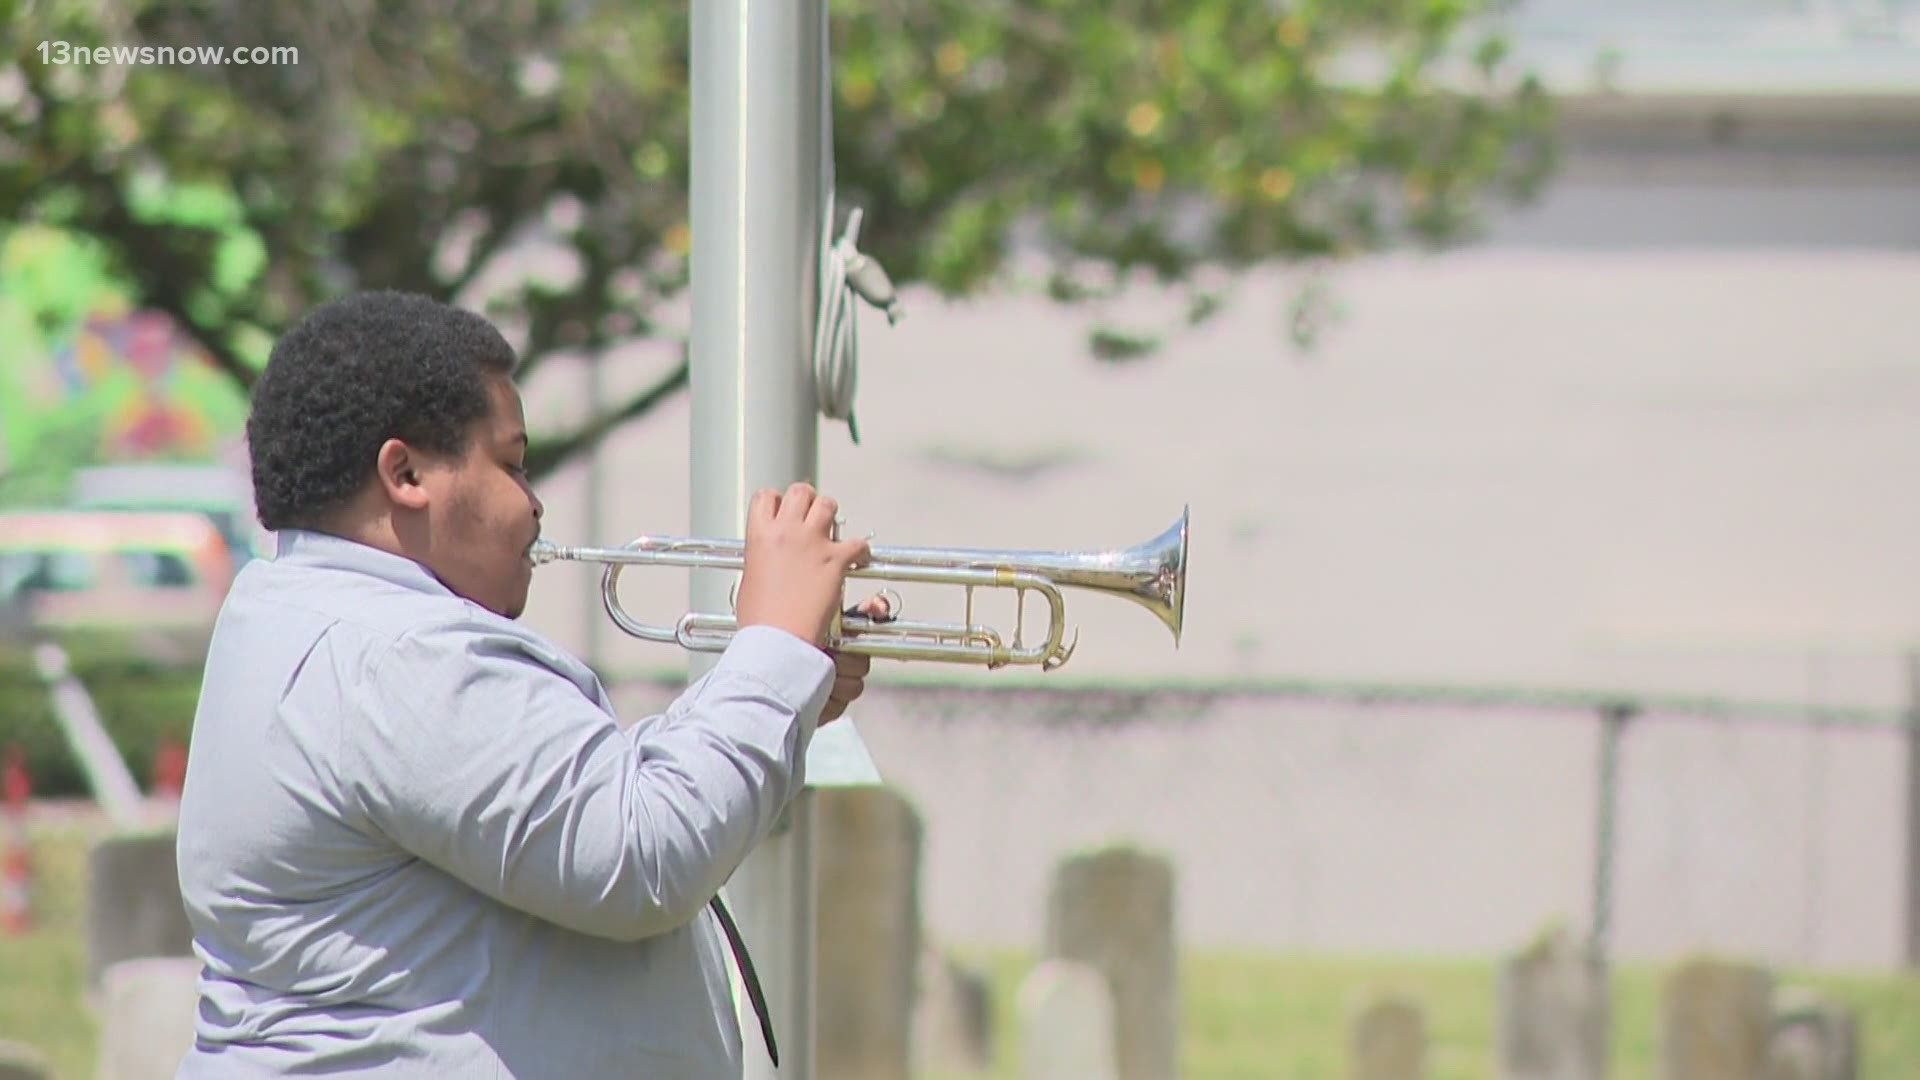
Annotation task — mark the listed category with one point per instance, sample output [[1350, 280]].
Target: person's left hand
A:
[[850, 669]]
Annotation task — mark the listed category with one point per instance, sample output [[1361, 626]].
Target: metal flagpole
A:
[[757, 232]]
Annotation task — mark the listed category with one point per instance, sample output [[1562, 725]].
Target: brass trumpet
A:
[[1152, 574]]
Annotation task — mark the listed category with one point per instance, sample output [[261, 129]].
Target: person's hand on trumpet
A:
[[795, 575]]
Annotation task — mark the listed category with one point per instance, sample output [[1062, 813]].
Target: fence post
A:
[[1613, 723]]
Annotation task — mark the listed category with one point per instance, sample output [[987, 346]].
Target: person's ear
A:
[[398, 469]]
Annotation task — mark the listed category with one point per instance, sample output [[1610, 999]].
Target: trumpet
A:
[[1152, 574]]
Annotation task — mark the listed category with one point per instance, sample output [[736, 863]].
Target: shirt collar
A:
[[303, 547]]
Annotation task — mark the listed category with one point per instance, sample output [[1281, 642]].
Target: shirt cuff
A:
[[801, 674]]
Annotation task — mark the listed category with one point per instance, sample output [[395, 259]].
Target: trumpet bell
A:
[[1152, 573], [1165, 592]]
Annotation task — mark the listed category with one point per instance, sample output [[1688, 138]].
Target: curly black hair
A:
[[352, 374]]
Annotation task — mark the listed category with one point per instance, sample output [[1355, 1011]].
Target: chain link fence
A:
[[1414, 820]]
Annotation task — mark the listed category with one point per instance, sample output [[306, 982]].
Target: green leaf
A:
[[240, 259], [1116, 346]]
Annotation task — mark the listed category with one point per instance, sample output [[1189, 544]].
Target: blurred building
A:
[[151, 580], [1728, 126]]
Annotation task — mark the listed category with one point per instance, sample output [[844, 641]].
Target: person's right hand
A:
[[795, 570]]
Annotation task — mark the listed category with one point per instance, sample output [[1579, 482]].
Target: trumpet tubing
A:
[[1151, 574]]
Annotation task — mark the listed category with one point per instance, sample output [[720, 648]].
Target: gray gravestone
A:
[[19, 1061], [1113, 909], [133, 902], [1813, 1038], [868, 944], [952, 1019], [1715, 1019], [1553, 1012], [1067, 1022], [147, 1008], [1389, 1041]]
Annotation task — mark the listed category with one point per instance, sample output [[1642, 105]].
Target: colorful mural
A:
[[161, 396], [87, 378]]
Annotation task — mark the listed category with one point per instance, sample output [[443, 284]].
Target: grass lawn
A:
[[1275, 1017], [1285, 1017], [41, 973]]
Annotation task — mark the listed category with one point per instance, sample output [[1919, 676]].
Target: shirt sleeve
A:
[[482, 760]]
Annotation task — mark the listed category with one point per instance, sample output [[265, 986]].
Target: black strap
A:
[[754, 994]]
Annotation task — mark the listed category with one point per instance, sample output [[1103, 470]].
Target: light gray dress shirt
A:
[[414, 841]]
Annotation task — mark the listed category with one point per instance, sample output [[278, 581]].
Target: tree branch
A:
[[162, 268], [547, 454]]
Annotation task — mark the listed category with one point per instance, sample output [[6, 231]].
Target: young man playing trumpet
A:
[[413, 841]]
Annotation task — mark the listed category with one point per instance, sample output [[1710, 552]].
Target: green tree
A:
[[413, 142]]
